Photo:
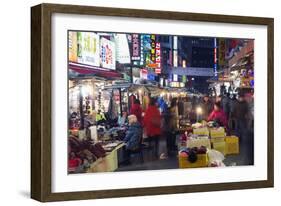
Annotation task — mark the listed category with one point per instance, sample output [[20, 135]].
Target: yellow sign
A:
[[72, 46]]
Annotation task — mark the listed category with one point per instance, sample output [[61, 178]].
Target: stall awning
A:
[[80, 70]]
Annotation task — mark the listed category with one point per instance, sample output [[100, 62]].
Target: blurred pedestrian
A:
[[218, 115], [152, 125], [207, 107], [225, 103], [137, 110], [240, 113]]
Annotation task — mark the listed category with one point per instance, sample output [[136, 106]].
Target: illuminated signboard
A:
[[135, 47], [175, 77], [72, 46], [138, 49], [175, 52], [143, 73], [107, 56], [215, 56], [152, 51], [158, 58], [122, 49], [177, 84], [184, 79], [141, 50], [88, 48]]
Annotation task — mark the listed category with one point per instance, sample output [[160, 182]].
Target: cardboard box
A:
[[217, 139], [232, 145], [219, 146], [217, 132], [202, 161], [203, 131], [198, 143]]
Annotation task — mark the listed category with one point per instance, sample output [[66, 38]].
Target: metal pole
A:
[[81, 108]]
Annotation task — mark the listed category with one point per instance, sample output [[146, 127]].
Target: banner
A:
[[88, 48], [107, 56], [122, 49]]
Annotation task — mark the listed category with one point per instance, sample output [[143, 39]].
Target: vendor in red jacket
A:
[[137, 110], [218, 115], [152, 124]]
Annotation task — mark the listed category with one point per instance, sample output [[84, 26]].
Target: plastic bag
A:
[[215, 158]]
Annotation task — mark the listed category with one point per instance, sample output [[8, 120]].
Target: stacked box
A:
[[217, 139], [217, 132], [232, 145], [198, 143], [203, 131], [202, 161], [220, 146]]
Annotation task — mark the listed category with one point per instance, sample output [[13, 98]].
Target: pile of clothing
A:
[[82, 153]]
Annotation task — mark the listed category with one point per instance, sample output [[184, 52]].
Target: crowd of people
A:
[[235, 114], [151, 125]]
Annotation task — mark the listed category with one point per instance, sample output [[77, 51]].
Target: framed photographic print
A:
[[130, 102]]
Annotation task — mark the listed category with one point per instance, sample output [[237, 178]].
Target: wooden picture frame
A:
[[41, 97]]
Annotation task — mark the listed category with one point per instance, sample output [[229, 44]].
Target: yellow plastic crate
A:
[[217, 139], [232, 145], [217, 132], [201, 131], [202, 161], [219, 146]]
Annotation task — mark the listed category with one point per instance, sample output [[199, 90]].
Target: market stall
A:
[[197, 148]]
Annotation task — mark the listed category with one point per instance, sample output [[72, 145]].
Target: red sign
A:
[[158, 57]]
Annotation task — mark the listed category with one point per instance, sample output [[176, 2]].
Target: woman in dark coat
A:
[[134, 133], [133, 138]]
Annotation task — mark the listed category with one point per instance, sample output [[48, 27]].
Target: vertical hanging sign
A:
[[152, 51], [135, 47], [158, 58], [215, 56]]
